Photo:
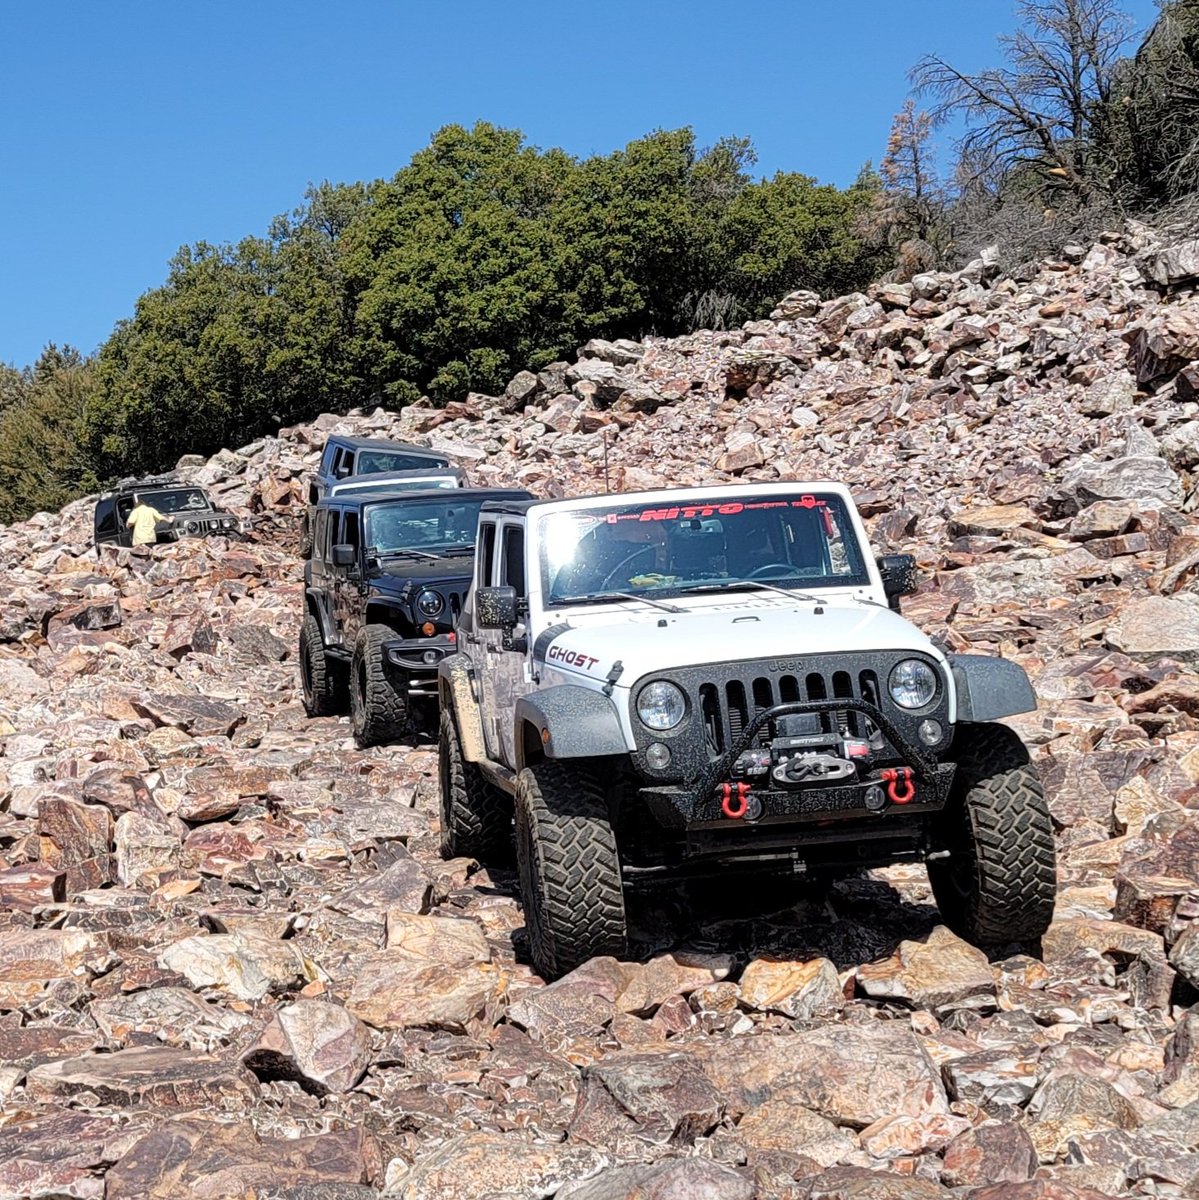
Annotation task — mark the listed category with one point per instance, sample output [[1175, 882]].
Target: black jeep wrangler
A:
[[384, 584], [344, 457], [194, 513]]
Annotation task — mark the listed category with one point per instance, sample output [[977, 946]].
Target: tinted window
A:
[[372, 461], [486, 553], [349, 529], [513, 567], [320, 535]]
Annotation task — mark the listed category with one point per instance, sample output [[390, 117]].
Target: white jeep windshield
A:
[[798, 541]]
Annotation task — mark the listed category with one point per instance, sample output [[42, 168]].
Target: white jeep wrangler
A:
[[679, 682]]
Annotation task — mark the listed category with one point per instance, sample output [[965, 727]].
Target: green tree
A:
[[42, 464]]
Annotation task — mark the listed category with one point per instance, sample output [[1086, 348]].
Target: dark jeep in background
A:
[[384, 584], [344, 457], [195, 514]]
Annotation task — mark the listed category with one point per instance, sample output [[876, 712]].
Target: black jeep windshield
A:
[[177, 500], [393, 526], [371, 462], [798, 542]]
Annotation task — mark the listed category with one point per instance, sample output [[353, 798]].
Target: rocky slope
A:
[[232, 964]]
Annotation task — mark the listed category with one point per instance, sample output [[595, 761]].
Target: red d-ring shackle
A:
[[734, 801], [901, 788]]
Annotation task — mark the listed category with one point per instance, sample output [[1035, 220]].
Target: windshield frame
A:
[[444, 498], [709, 508]]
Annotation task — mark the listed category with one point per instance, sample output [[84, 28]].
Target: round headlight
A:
[[191, 526], [913, 683], [661, 705], [430, 603], [227, 523]]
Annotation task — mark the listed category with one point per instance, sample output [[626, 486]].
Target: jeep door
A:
[[506, 671], [349, 579], [318, 571]]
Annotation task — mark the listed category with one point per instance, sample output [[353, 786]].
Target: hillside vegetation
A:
[[486, 254]]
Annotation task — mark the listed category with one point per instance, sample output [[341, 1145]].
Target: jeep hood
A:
[[443, 569], [651, 641]]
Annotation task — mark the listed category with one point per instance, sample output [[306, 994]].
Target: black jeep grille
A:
[[195, 526], [726, 706], [724, 698]]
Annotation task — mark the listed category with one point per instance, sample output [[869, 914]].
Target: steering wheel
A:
[[777, 568], [624, 562]]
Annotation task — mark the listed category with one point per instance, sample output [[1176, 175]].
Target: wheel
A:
[[627, 561], [322, 679], [999, 882], [306, 534], [569, 869], [378, 691], [476, 816], [776, 569]]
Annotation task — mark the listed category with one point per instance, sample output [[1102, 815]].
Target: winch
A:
[[802, 752]]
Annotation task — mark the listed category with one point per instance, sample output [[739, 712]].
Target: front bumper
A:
[[420, 658], [700, 804]]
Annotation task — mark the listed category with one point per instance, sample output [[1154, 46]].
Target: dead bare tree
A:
[[1039, 112]]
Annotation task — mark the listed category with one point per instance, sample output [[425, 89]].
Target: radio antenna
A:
[[607, 485]]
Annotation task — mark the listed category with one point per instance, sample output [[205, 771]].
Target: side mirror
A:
[[899, 576], [342, 472], [344, 555], [496, 607]]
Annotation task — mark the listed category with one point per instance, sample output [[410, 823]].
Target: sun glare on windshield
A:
[[791, 541]]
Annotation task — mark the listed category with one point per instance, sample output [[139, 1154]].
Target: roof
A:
[[359, 499], [359, 443], [680, 495], [153, 482], [378, 480]]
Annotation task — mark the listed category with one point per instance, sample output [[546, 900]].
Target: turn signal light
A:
[[428, 629]]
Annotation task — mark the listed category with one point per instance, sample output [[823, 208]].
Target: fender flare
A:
[[456, 694], [989, 688], [315, 604], [571, 722]]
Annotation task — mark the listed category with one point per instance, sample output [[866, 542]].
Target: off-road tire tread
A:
[[569, 868], [326, 694], [380, 711], [476, 816], [1010, 839]]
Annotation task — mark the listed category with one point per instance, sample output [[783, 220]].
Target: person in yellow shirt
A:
[[144, 522]]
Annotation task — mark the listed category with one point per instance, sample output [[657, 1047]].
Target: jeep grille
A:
[[727, 707]]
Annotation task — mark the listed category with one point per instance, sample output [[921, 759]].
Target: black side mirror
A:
[[344, 555], [496, 607], [899, 576]]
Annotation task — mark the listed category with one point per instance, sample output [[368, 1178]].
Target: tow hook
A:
[[734, 800], [901, 788]]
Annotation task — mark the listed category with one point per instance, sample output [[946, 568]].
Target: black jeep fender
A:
[[989, 688], [314, 601], [388, 610], [570, 722]]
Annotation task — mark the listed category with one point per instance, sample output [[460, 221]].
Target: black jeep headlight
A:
[[661, 705], [913, 683], [227, 523], [191, 526], [429, 603]]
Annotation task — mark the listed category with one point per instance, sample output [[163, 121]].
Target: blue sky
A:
[[131, 127]]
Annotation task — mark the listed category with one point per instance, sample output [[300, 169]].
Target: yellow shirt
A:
[[144, 520]]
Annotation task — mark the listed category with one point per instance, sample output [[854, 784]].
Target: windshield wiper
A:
[[602, 597], [457, 551], [741, 585], [405, 554]]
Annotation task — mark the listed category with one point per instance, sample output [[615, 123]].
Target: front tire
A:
[[999, 883], [322, 680], [476, 816], [378, 692], [569, 868]]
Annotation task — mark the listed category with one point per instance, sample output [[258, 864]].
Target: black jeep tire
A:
[[322, 679], [999, 882], [569, 868], [378, 690], [305, 534], [476, 816]]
